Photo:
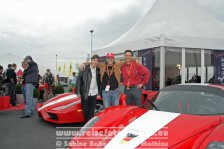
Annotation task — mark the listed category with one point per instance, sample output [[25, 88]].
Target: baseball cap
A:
[[28, 57], [110, 55]]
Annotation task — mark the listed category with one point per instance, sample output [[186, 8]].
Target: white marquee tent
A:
[[171, 23]]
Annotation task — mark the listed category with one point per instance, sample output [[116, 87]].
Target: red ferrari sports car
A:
[[178, 117], [66, 108]]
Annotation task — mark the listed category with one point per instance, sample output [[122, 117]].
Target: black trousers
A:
[[10, 90], [88, 107]]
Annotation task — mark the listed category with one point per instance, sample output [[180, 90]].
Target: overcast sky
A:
[[44, 28]]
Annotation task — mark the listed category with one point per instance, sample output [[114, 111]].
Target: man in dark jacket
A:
[[10, 83], [88, 86], [31, 80]]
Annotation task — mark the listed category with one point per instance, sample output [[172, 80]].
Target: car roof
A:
[[193, 87]]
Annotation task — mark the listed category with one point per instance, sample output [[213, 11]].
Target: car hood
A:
[[57, 97], [148, 126], [186, 126], [119, 116], [60, 100]]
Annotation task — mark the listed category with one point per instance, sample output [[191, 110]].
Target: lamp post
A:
[[56, 63], [91, 31], [88, 57]]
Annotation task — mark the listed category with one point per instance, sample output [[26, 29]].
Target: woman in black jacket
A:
[[88, 86]]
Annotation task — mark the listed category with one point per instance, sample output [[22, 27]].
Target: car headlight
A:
[[66, 106], [88, 125], [215, 145]]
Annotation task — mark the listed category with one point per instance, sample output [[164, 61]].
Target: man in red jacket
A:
[[135, 76]]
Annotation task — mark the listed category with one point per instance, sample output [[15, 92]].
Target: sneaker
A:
[[33, 113], [25, 116]]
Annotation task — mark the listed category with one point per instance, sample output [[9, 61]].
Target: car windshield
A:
[[190, 102]]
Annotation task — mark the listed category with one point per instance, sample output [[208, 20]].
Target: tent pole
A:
[[162, 67], [183, 72], [202, 66]]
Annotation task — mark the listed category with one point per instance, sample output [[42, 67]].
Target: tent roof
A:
[[171, 23]]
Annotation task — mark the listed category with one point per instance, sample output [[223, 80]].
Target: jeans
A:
[[30, 105], [110, 98], [24, 93], [133, 96]]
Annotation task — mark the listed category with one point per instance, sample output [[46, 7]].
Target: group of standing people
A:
[[104, 78], [29, 82], [8, 80], [96, 78]]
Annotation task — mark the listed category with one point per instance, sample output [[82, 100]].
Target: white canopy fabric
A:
[[9, 58], [171, 23]]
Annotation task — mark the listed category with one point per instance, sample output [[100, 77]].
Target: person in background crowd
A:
[[31, 80], [4, 74], [168, 81], [1, 80], [25, 65], [72, 80], [40, 88], [88, 86], [134, 77], [14, 66], [40, 78], [48, 81], [57, 81], [212, 80], [110, 79], [10, 83], [195, 79]]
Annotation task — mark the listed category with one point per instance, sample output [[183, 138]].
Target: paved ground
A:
[[31, 133]]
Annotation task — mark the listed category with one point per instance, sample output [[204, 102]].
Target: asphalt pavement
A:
[[30, 133]]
